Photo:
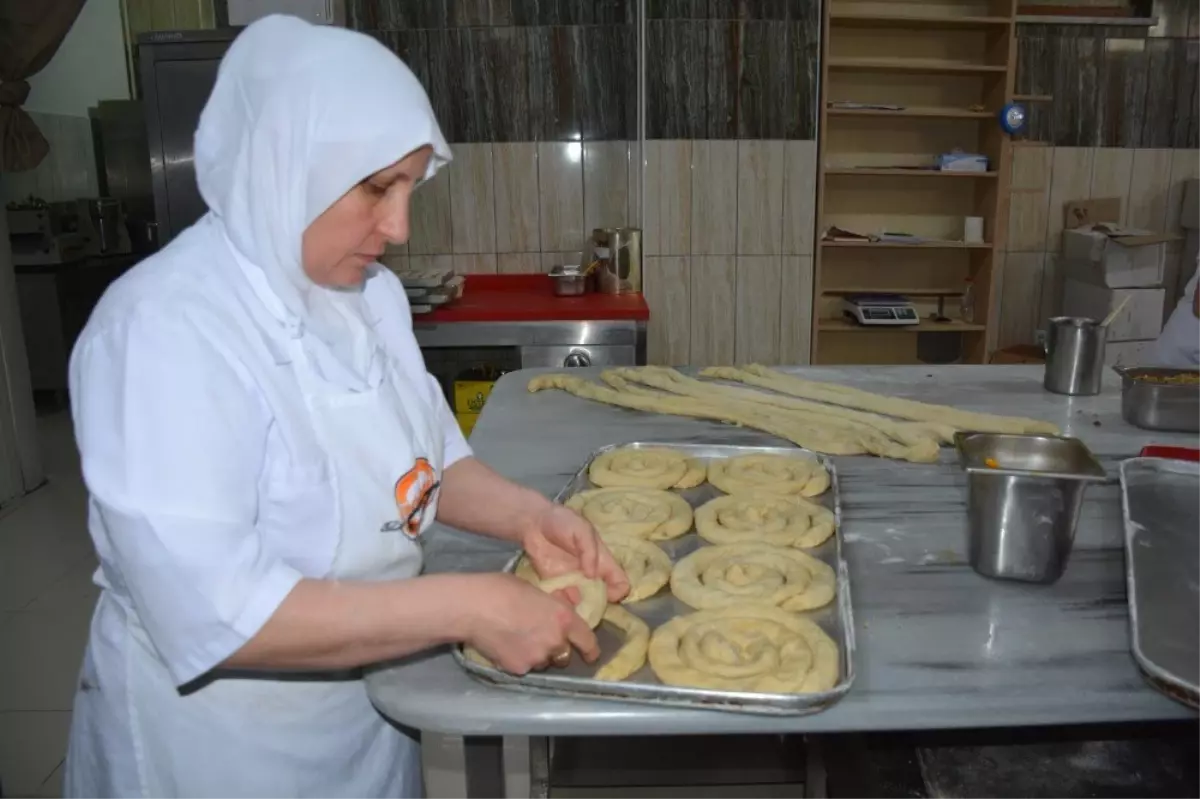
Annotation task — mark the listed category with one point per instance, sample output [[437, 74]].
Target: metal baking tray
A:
[[1159, 406], [837, 618], [1159, 500]]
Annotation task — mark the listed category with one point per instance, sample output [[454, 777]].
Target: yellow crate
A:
[[470, 395], [466, 422]]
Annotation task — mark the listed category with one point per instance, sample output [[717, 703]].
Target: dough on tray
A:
[[647, 513], [646, 467], [593, 599], [761, 518], [749, 647], [646, 565], [632, 654], [773, 474], [718, 576]]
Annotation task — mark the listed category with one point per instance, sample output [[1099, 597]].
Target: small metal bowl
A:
[[1153, 405], [568, 281]]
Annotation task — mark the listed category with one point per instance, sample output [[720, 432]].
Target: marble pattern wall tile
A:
[[67, 172], [515, 170], [799, 197], [429, 217], [713, 309], [666, 283], [607, 83], [795, 309], [668, 210], [1071, 180], [397, 14], [605, 185], [472, 199], [714, 220], [1112, 173], [1020, 291], [676, 79], [760, 197], [519, 263], [729, 9], [759, 288], [1149, 188], [560, 188], [475, 264]]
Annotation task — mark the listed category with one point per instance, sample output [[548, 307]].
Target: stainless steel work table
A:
[[939, 646]]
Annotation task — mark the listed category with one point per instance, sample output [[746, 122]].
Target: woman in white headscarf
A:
[[1178, 346], [263, 449]]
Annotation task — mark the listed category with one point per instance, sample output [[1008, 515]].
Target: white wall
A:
[[88, 67]]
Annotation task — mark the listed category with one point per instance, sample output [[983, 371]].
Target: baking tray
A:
[[1159, 406], [837, 618], [1159, 500]]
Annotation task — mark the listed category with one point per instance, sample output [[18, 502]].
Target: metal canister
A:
[[1074, 355], [619, 251]]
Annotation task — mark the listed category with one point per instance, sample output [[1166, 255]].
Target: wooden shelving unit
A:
[[949, 67]]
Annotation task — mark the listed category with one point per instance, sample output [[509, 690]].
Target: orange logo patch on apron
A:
[[413, 493]]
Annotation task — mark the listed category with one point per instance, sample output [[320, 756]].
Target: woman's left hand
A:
[[561, 541]]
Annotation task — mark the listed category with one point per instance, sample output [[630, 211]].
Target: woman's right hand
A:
[[520, 628]]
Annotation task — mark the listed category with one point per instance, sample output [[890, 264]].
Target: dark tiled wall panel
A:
[[750, 78], [1109, 90], [555, 70]]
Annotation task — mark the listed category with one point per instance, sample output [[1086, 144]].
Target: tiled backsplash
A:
[[1149, 183], [68, 172], [520, 206]]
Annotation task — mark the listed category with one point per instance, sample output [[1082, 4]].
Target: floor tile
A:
[[31, 749], [42, 650]]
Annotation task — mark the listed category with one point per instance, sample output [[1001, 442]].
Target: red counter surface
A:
[[530, 298]]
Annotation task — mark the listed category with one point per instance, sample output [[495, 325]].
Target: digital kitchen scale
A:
[[879, 309]]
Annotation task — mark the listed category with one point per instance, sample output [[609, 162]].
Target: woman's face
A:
[[351, 234]]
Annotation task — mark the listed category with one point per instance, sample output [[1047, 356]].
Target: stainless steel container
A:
[[1074, 355], [1024, 494], [619, 251], [569, 281], [1154, 405]]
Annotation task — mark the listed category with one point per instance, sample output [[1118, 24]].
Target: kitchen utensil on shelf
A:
[[1074, 356], [1024, 494], [619, 252], [1151, 402], [569, 280]]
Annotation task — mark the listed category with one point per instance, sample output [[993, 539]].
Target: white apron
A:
[[1178, 345], [274, 735]]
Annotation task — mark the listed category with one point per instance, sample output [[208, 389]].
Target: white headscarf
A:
[[299, 114]]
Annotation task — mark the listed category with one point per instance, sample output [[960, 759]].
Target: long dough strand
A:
[[680, 406], [907, 432], [902, 408], [920, 443]]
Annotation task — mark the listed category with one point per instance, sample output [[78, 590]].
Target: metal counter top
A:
[[938, 645]]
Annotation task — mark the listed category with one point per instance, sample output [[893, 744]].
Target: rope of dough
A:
[[774, 474], [718, 576], [646, 565], [632, 654], [646, 467], [813, 430], [759, 518], [902, 408], [749, 647], [809, 437], [913, 433], [640, 512], [593, 600]]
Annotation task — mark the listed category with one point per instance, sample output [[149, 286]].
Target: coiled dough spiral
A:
[[646, 467], [648, 513], [775, 474], [718, 576], [785, 521]]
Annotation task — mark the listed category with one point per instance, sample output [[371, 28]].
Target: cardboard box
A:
[[1113, 256], [1128, 353], [1140, 320]]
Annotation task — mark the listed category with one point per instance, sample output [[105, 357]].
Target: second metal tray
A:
[[1159, 499], [643, 686]]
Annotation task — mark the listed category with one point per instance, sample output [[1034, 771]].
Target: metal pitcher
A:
[[619, 252], [1074, 355]]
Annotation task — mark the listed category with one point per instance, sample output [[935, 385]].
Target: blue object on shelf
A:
[[1013, 118]]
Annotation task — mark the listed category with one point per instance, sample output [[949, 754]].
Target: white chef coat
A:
[[231, 447], [1178, 345]]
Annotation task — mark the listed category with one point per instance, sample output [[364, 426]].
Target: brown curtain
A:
[[30, 33]]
